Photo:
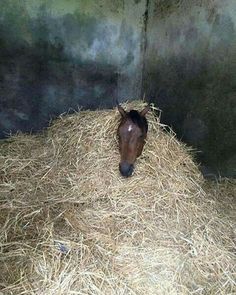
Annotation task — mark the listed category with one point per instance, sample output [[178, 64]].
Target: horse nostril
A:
[[126, 169]]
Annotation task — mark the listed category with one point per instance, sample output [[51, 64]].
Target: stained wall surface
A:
[[190, 72], [56, 55]]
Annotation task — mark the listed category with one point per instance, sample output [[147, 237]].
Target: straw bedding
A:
[[70, 224]]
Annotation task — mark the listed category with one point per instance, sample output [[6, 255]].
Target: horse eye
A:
[[141, 136]]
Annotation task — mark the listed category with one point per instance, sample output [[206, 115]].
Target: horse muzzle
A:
[[126, 169]]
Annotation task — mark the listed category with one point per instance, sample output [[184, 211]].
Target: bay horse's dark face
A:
[[132, 133]]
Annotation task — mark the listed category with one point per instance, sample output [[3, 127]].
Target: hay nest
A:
[[70, 224]]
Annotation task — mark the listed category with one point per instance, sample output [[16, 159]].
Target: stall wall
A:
[[190, 72], [56, 55]]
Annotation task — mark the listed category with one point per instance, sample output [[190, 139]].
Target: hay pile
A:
[[70, 224]]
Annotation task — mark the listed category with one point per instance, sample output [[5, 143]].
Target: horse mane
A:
[[137, 119]]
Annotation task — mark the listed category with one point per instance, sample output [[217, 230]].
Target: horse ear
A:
[[145, 110], [121, 110]]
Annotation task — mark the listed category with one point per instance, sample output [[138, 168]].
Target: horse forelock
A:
[[137, 119]]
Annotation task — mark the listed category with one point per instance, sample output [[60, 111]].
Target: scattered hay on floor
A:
[[70, 224]]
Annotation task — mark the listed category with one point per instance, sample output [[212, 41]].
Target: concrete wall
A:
[[58, 54], [190, 72]]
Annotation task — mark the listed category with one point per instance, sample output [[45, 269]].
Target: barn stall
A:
[[70, 224]]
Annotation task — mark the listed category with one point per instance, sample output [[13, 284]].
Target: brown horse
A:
[[132, 133]]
